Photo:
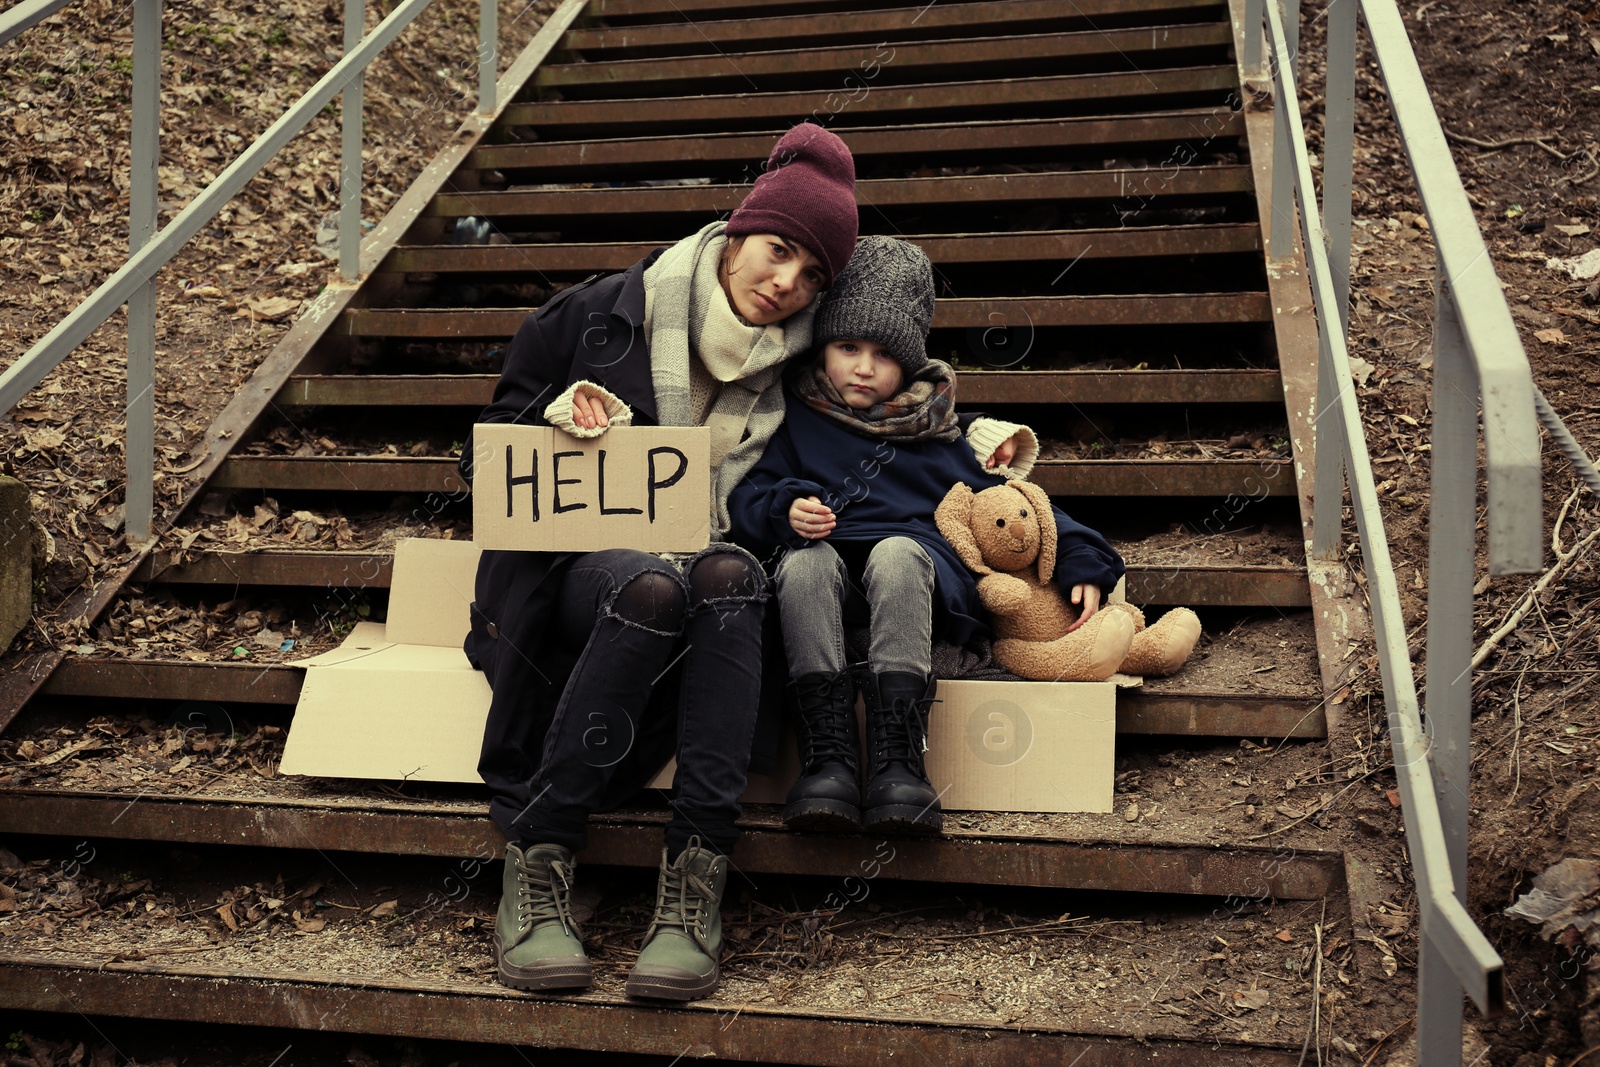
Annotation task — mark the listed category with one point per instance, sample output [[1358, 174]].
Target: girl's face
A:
[[863, 372], [768, 278]]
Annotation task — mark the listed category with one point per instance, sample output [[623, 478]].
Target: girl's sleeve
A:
[[759, 506], [1083, 556], [985, 434]]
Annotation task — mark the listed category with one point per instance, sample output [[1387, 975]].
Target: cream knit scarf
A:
[[687, 317]]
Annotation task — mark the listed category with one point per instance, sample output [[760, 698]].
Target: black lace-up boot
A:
[[828, 794], [899, 798]]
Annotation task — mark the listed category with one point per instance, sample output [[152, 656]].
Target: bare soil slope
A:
[[228, 71], [1518, 90]]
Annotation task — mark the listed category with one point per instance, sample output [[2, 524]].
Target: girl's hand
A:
[[588, 411], [811, 518], [1004, 454], [1089, 596]]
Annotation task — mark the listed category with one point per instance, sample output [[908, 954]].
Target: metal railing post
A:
[[1291, 32], [350, 138], [1280, 229], [488, 54], [1451, 528], [1511, 428], [1476, 355], [1338, 145], [1253, 14], [1329, 451], [144, 183], [29, 369]]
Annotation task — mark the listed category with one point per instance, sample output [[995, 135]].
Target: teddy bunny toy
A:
[[1007, 536]]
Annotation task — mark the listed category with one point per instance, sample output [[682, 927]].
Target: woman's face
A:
[[768, 278], [863, 372]]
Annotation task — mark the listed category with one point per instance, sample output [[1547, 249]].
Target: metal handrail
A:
[[19, 17], [1477, 354], [134, 282]]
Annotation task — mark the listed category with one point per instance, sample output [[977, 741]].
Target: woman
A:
[[604, 664]]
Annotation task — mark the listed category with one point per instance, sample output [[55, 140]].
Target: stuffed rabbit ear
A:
[[1039, 500], [954, 519]]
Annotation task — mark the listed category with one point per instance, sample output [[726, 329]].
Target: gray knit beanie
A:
[[884, 294]]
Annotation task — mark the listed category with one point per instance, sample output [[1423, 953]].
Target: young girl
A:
[[869, 446]]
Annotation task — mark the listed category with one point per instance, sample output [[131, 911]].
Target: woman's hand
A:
[[1004, 454], [1089, 596], [588, 411], [811, 518]]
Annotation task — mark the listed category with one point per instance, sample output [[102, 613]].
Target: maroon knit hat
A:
[[807, 195]]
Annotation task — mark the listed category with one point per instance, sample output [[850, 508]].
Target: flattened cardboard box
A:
[[535, 488], [399, 701]]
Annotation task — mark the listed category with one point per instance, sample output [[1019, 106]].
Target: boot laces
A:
[[829, 728], [542, 899], [899, 735], [683, 901]]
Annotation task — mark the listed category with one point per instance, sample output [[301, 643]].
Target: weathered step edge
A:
[[1173, 583], [1227, 386], [418, 1009], [1180, 868], [1022, 314], [1221, 478], [1138, 186], [1174, 712]]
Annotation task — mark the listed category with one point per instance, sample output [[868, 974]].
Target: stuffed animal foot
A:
[[1090, 653], [1128, 609], [1159, 650]]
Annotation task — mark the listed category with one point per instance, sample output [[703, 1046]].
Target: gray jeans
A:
[[817, 596]]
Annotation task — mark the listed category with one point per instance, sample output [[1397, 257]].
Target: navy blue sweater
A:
[[880, 489]]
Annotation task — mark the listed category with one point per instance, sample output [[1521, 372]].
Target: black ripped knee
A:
[[726, 576], [651, 600]]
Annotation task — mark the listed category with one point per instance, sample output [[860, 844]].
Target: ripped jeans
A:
[[632, 617]]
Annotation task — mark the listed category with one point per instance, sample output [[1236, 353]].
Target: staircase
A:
[[1084, 177]]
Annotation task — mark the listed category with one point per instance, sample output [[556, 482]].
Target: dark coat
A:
[[880, 489], [594, 332]]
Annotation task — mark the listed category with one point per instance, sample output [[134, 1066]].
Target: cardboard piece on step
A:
[[399, 701], [999, 746], [536, 488]]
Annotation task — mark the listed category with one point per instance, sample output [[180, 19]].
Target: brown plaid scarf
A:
[[923, 410]]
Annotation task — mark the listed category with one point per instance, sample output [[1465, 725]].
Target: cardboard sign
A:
[[536, 488]]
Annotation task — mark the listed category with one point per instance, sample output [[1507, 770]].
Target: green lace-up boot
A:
[[536, 941], [684, 942]]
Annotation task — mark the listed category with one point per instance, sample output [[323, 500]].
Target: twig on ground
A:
[[1516, 725], [1372, 1053], [1314, 1024], [1162, 986], [1495, 146], [1563, 561], [1326, 807], [1561, 517], [1594, 167]]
